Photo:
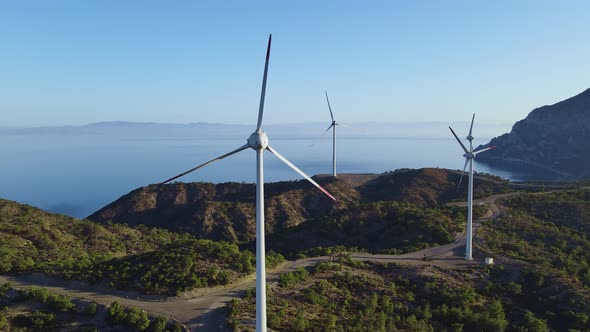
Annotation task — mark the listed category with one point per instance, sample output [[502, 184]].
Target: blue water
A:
[[78, 175]]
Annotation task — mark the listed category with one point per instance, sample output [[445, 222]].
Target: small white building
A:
[[489, 260]]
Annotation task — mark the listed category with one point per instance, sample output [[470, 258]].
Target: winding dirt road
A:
[[206, 312]]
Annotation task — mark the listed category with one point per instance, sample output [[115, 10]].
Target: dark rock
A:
[[555, 137]]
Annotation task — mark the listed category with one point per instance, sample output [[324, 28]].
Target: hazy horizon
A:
[[204, 130]]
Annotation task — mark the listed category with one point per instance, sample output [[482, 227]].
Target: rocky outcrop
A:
[[555, 137]]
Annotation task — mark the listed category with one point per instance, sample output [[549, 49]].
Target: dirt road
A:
[[206, 312]]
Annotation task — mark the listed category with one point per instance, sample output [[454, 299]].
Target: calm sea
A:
[[77, 175]]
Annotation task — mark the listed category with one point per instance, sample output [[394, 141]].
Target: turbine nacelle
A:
[[258, 140], [469, 155], [469, 138]]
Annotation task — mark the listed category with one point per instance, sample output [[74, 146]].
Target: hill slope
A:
[[226, 211], [149, 260], [357, 296], [554, 137]]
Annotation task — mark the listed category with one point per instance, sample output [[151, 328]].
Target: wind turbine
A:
[[469, 156], [258, 141], [333, 127]]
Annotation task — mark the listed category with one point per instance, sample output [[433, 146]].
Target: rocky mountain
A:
[[555, 137], [226, 211]]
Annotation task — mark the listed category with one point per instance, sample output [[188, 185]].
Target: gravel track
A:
[[206, 312]]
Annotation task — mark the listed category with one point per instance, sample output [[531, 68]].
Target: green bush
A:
[[137, 318], [116, 313], [60, 302], [273, 259], [289, 278], [91, 308], [159, 324], [4, 288], [4, 325], [36, 320]]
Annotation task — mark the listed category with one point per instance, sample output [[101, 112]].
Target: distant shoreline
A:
[[370, 130], [503, 163]]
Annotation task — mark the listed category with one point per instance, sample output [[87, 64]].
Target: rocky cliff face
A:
[[555, 137]]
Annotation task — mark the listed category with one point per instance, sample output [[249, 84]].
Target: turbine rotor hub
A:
[[469, 155], [470, 138], [258, 140]]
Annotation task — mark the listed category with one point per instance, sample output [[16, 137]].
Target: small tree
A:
[[132, 316], [91, 309], [533, 323], [116, 313], [176, 327], [4, 326], [143, 322], [61, 303], [300, 324], [159, 324]]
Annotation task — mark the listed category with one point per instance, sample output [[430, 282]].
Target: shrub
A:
[[159, 324], [290, 278], [91, 309], [116, 313], [60, 302]]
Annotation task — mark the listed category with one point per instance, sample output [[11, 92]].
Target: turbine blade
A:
[[462, 173], [243, 147], [458, 140], [276, 153], [327, 130], [471, 127], [263, 91], [329, 107], [485, 149]]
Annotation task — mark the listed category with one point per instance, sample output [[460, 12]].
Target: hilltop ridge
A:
[[226, 211]]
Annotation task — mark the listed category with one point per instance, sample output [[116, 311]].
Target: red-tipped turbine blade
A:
[[485, 149], [243, 147], [273, 151], [263, 90]]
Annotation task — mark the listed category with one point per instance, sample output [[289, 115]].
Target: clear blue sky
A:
[[76, 62]]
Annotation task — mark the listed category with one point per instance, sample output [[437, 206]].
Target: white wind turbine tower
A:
[[333, 127], [258, 141], [469, 156]]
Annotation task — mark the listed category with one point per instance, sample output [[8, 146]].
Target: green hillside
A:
[[299, 221], [356, 296], [146, 259], [377, 227], [403, 206], [37, 309]]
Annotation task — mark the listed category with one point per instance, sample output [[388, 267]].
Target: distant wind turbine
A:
[[469, 156], [258, 141], [333, 127]]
